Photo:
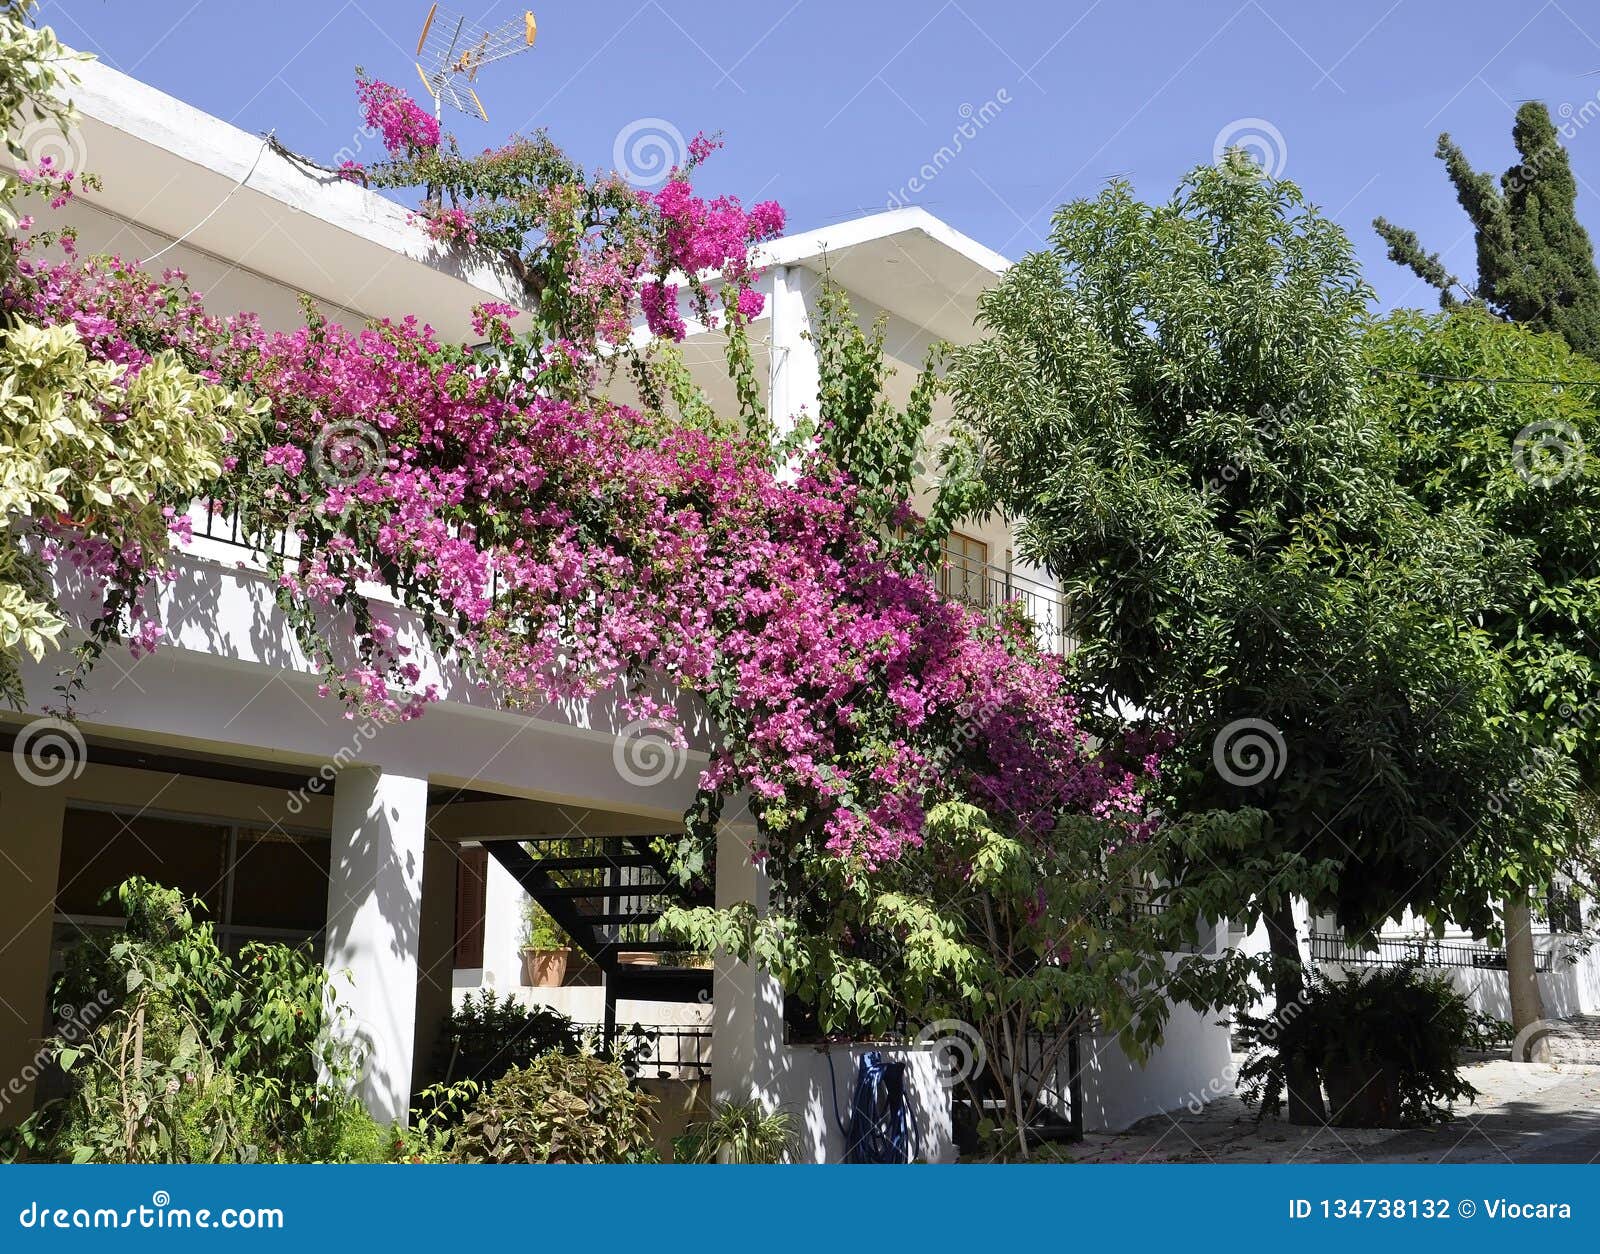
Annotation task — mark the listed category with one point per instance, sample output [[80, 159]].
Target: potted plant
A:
[[546, 949]]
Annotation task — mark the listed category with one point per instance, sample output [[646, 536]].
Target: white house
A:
[[403, 851]]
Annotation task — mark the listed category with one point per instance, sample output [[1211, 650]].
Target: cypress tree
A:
[[1535, 262]]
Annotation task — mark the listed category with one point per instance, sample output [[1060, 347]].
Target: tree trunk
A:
[[1527, 1008], [1288, 987]]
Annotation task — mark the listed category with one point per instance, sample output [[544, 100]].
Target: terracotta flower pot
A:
[[545, 968]]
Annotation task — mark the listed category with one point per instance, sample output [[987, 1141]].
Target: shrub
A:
[[563, 1108], [1387, 1043], [485, 1037], [197, 1057], [737, 1132]]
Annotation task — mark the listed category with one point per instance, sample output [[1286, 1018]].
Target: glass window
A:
[[253, 884], [99, 850], [280, 881], [964, 575]]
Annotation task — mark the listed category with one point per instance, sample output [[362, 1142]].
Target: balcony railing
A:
[[991, 589], [979, 584], [1394, 951]]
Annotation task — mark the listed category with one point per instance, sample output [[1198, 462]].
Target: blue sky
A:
[[833, 107]]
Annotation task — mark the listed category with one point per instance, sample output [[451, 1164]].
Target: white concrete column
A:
[[747, 1006], [375, 925], [794, 377], [31, 816]]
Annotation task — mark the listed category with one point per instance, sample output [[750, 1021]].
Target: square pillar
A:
[[436, 957], [31, 816], [374, 937], [794, 378], [747, 1043]]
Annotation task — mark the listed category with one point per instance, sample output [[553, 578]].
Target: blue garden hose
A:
[[883, 1123]]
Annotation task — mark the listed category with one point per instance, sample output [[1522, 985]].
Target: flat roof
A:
[[180, 172]]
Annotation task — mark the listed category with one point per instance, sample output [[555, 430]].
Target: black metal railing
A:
[[1394, 951], [219, 521], [663, 1051], [993, 589]]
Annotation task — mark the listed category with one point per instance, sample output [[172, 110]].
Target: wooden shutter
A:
[[472, 880]]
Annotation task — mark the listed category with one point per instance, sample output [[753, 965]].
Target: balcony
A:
[[960, 576], [992, 589]]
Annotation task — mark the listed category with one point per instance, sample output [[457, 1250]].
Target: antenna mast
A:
[[451, 51]]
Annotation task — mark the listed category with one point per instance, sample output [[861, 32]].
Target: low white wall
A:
[[801, 1084], [587, 1004], [1193, 1065]]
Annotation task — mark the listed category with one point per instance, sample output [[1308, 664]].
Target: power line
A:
[[260, 152]]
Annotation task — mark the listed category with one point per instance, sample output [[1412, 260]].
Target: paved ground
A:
[[1525, 1112]]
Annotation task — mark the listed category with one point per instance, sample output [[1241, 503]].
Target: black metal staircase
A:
[[607, 893]]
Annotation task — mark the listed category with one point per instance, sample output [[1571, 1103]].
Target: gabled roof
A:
[[905, 260]]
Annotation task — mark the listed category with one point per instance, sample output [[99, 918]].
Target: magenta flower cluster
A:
[[406, 127], [706, 238], [575, 547]]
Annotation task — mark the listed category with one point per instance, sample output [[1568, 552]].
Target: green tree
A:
[[885, 449], [1173, 401], [1535, 262], [1518, 456]]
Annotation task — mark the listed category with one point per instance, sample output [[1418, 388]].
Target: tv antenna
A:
[[451, 51]]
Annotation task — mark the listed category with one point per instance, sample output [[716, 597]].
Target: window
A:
[[964, 572], [252, 884]]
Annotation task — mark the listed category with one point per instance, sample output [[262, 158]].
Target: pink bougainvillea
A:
[[406, 127], [450, 226], [558, 544]]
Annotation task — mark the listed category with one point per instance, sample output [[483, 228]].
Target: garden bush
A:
[[196, 1056], [562, 1108], [738, 1132], [1387, 1042], [486, 1036]]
